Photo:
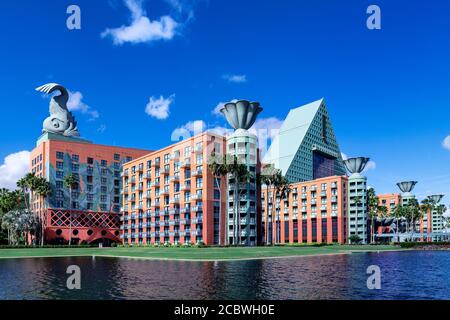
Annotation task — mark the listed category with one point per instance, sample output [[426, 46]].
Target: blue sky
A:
[[388, 90]]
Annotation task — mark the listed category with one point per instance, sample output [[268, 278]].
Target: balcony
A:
[[174, 233], [196, 196], [185, 221], [174, 178], [174, 201], [185, 210], [155, 184], [174, 222], [334, 199], [197, 208], [175, 156], [198, 149], [197, 220], [164, 192], [186, 187], [295, 203], [197, 173], [186, 163], [154, 224], [174, 211], [165, 171], [156, 164]]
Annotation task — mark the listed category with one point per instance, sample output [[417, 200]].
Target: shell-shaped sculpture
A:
[[61, 120], [241, 114], [356, 165], [436, 198], [406, 186]]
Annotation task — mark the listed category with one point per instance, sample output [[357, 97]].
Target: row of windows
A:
[[89, 160]]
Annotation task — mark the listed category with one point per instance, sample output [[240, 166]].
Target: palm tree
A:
[[218, 167], [43, 189], [282, 190], [267, 177], [357, 201], [70, 182], [426, 207], [399, 213], [26, 184]]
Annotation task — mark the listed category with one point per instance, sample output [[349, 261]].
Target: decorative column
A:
[[241, 203], [357, 199], [436, 221], [406, 187]]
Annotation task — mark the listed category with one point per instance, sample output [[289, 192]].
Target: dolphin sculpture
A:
[[61, 121]]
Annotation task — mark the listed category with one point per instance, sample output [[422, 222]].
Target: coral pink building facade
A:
[[314, 212], [170, 195], [90, 212]]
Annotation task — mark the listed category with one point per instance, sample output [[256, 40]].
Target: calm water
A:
[[404, 275]]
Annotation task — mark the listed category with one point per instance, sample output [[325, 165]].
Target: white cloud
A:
[[446, 142], [76, 103], [266, 129], [159, 108], [142, 29], [188, 130], [236, 78], [371, 165], [14, 167]]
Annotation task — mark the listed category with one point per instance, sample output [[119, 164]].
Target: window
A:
[[59, 155], [59, 175], [199, 183], [75, 167], [75, 157], [59, 165], [90, 160], [104, 163], [116, 157], [103, 198]]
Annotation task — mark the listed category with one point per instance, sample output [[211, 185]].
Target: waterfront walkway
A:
[[193, 253]]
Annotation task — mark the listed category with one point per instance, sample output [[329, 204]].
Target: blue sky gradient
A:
[[387, 90]]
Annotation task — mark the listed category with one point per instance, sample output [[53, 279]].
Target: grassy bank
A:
[[192, 253]]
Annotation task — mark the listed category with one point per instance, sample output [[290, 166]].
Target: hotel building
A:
[[307, 153], [170, 195], [313, 212], [90, 212]]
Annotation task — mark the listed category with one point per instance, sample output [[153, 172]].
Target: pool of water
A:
[[404, 275]]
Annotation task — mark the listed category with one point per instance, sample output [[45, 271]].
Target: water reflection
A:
[[405, 275]]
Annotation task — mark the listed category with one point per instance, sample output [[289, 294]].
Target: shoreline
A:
[[94, 255]]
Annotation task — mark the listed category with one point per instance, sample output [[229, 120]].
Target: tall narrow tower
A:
[[242, 197], [436, 221], [357, 198], [406, 187]]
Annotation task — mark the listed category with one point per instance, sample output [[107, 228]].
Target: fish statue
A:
[[61, 121]]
